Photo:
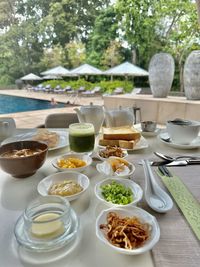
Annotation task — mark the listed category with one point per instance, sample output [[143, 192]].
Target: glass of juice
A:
[[81, 137]]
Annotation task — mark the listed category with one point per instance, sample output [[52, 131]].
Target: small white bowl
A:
[[130, 212], [135, 188], [125, 154], [102, 168], [84, 157], [80, 178]]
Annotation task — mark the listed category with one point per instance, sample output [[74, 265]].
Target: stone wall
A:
[[158, 109]]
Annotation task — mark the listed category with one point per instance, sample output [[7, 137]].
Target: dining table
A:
[[178, 245]]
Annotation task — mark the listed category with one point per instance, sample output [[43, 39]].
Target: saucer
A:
[[36, 246], [32, 257], [149, 134], [164, 138]]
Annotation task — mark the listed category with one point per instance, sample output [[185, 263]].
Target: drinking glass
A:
[[81, 137]]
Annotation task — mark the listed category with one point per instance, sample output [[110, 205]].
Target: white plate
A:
[[192, 145], [143, 143], [130, 212], [63, 140], [80, 178]]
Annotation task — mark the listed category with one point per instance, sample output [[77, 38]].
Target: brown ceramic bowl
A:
[[22, 167]]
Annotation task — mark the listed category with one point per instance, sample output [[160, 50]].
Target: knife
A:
[[176, 163]]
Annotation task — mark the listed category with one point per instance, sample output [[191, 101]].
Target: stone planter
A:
[[161, 74], [191, 76]]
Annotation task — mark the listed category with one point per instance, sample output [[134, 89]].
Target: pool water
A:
[[13, 104]]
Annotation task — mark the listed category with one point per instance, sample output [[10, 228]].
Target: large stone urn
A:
[[161, 74], [191, 76]]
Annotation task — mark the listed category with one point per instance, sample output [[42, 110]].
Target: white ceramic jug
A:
[[93, 114], [7, 128], [119, 117]]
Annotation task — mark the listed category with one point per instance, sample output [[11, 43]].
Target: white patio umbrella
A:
[[31, 77], [51, 77], [86, 69], [57, 71], [126, 69]]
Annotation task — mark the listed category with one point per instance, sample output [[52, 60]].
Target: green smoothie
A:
[[81, 137]]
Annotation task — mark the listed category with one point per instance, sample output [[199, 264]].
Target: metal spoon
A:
[[169, 158]]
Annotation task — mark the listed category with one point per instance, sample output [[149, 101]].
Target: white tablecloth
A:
[[88, 251]]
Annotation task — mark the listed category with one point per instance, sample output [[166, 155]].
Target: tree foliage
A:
[[39, 34]]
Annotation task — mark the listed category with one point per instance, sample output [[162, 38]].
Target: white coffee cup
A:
[[7, 128], [183, 132]]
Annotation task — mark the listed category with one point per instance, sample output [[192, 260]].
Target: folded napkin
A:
[[188, 204]]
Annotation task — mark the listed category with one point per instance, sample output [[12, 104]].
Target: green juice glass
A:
[[81, 137]]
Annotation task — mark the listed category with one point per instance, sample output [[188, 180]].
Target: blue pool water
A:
[[13, 104]]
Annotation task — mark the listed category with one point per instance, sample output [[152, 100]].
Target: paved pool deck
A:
[[31, 119]]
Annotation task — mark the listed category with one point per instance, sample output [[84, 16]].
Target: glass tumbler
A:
[[81, 137]]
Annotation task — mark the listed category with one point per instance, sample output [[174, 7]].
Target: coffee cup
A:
[[148, 126], [7, 128], [183, 131]]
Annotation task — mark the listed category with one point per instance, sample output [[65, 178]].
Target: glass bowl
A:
[[48, 223]]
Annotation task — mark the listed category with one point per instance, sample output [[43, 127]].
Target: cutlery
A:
[[163, 169], [175, 163], [169, 158], [155, 196]]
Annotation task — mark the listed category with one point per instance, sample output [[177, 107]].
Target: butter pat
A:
[[47, 226]]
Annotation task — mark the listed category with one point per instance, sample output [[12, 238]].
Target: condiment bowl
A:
[[106, 168], [80, 156], [102, 150], [47, 224], [142, 215], [22, 167], [129, 184], [81, 179]]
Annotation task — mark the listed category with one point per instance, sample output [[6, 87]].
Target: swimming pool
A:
[[13, 104]]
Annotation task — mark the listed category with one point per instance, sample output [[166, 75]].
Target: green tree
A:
[[112, 55], [76, 54], [104, 31], [53, 57], [138, 27], [153, 26]]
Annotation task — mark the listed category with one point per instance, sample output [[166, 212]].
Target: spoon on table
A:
[[155, 196], [169, 158]]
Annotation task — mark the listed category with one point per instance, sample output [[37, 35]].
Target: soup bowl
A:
[[22, 164]]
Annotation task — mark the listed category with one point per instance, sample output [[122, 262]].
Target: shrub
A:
[[107, 86]]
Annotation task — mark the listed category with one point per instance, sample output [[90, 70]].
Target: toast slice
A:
[[121, 133], [103, 142]]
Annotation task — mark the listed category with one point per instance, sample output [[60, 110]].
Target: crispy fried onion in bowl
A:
[[125, 232], [129, 231]]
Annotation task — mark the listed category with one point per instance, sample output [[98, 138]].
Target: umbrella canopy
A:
[[31, 77], [86, 69], [51, 77], [57, 71], [126, 69]]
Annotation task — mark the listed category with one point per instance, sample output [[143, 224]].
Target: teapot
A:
[[92, 114], [7, 128]]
